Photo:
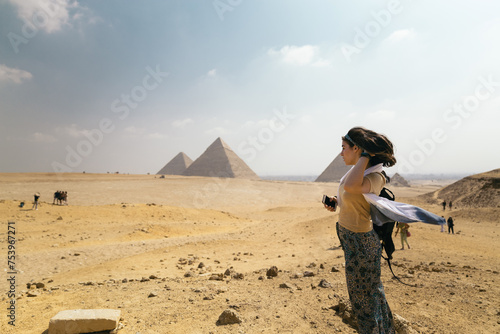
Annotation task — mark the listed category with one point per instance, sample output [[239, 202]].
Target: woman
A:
[[403, 228], [367, 151], [35, 201]]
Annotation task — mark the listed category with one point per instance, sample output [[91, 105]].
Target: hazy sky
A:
[[102, 86]]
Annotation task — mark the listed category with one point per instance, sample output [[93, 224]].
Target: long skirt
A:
[[362, 252]]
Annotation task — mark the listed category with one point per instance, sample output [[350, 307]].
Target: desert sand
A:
[[149, 247]]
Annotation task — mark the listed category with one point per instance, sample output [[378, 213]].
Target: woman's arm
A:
[[355, 182]]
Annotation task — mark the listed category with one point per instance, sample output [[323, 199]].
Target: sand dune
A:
[[123, 237]]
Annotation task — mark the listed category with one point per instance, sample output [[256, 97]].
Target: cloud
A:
[[156, 135], [13, 74], [400, 35], [72, 131], [39, 137], [181, 123], [218, 131], [212, 73], [133, 130], [382, 115], [47, 15], [299, 55]]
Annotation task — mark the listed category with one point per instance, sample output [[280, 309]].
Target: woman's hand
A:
[[331, 208]]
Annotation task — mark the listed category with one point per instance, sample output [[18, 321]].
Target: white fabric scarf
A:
[[384, 210], [372, 169]]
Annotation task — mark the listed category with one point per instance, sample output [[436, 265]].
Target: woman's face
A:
[[349, 154]]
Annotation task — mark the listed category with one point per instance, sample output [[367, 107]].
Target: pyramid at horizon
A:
[[398, 180], [219, 160], [334, 171], [177, 165]]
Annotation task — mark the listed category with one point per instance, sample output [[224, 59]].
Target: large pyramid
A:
[[219, 160], [334, 171], [177, 165]]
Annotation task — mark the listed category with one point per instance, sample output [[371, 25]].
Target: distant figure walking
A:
[[35, 202], [450, 205], [403, 229], [444, 205], [450, 225]]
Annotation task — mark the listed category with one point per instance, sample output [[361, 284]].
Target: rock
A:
[[238, 276], [335, 270], [59, 218], [308, 274], [228, 317], [324, 284], [272, 272], [32, 294], [189, 274], [286, 286], [217, 277], [344, 310], [153, 294], [40, 285], [402, 326], [84, 321], [229, 272]]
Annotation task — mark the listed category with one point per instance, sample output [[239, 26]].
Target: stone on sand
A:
[[84, 321], [229, 317]]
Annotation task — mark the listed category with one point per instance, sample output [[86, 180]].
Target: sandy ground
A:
[[149, 246]]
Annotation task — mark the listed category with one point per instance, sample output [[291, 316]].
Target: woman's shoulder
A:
[[377, 181]]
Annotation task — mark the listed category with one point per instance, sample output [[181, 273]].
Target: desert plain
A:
[[173, 253]]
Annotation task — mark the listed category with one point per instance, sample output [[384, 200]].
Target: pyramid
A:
[[177, 165], [219, 160], [398, 180], [334, 171]]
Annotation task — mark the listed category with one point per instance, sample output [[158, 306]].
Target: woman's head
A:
[[373, 143]]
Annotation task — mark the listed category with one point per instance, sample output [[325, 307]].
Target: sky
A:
[[124, 86]]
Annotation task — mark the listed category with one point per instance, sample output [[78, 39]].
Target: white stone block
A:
[[84, 321]]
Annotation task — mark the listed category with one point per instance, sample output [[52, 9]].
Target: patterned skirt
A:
[[362, 253]]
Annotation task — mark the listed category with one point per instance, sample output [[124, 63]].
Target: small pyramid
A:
[[398, 180], [177, 165], [334, 171], [219, 160]]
